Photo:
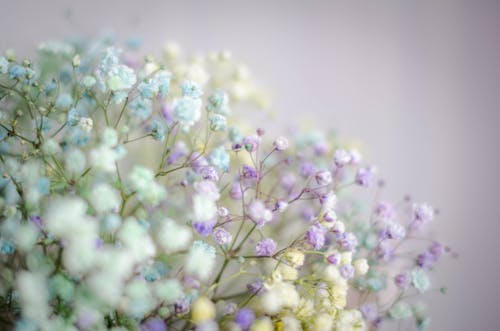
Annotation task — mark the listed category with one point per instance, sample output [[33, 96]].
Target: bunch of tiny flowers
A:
[[133, 199]]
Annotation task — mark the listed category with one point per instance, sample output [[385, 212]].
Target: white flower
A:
[[341, 157], [33, 293], [64, 216], [281, 143], [141, 180], [86, 124], [109, 137], [350, 320], [322, 322], [201, 260], [361, 266], [135, 237], [172, 237], [168, 290], [281, 295], [104, 198], [74, 162], [26, 236], [103, 158], [204, 208]]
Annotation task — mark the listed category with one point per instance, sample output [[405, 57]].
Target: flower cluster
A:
[[134, 197]]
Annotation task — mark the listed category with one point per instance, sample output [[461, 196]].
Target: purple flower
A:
[[179, 150], [333, 258], [98, 243], [426, 260], [222, 236], [249, 172], [369, 311], [182, 306], [422, 214], [209, 173], [230, 308], [280, 205], [346, 271], [251, 143], [197, 161], [323, 177], [154, 324], [384, 211], [341, 158], [307, 169], [402, 280], [348, 241], [190, 282], [436, 250], [204, 228], [258, 212], [364, 176], [266, 247], [395, 231], [320, 148], [384, 251], [236, 193], [330, 216], [38, 221], [244, 318], [316, 236], [256, 286]]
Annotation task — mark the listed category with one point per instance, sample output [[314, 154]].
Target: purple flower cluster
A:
[[316, 236], [266, 247]]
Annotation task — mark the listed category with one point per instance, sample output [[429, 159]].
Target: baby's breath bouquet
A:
[[133, 197]]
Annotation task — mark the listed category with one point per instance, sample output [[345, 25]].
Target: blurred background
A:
[[416, 82]]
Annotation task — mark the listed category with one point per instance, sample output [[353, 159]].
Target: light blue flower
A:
[[218, 103], [420, 280], [6, 247], [50, 87], [77, 136], [220, 158], [88, 81], [64, 101], [16, 71], [235, 135], [158, 129], [147, 89], [118, 97], [73, 117], [400, 310], [43, 185], [187, 110], [217, 122], [121, 78], [203, 246], [141, 108], [4, 65], [30, 76], [162, 79], [191, 89], [112, 74], [158, 84]]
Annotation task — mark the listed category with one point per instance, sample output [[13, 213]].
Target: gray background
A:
[[416, 81]]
